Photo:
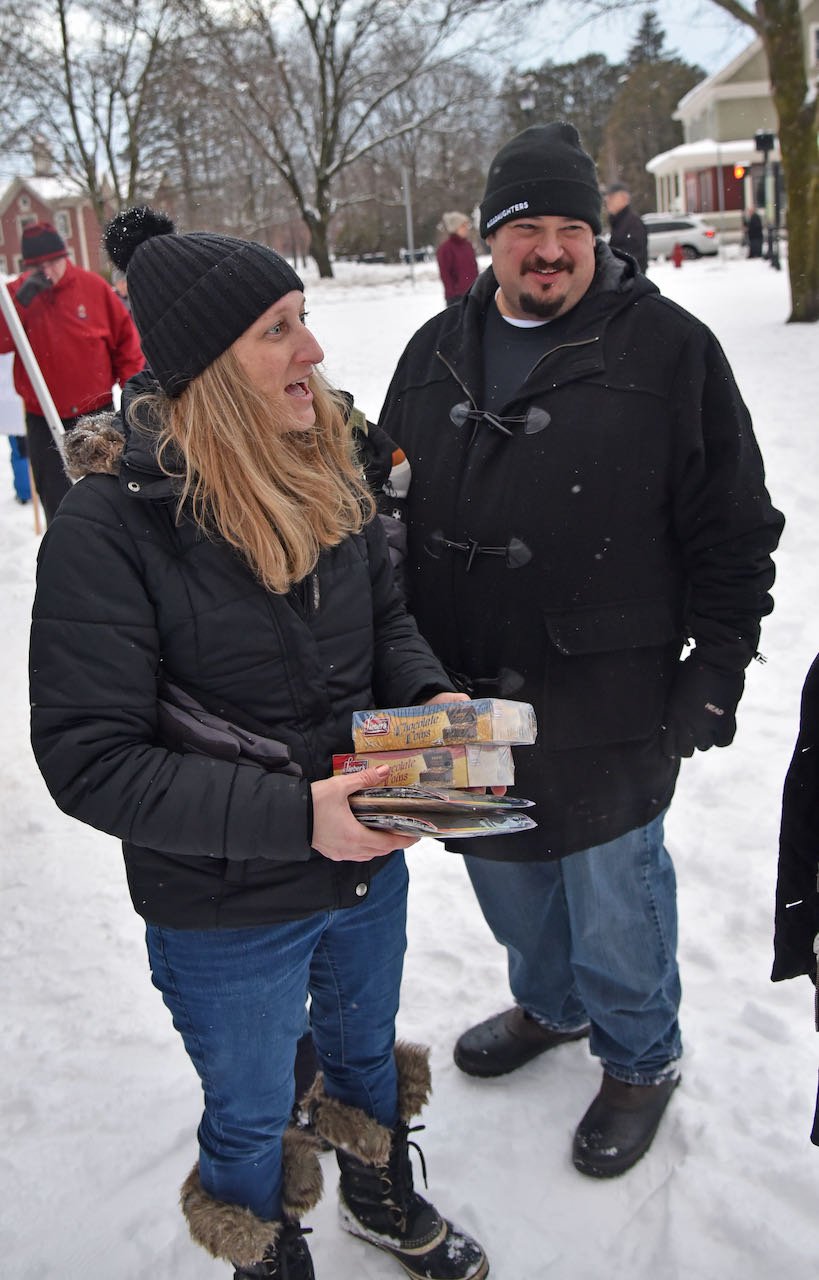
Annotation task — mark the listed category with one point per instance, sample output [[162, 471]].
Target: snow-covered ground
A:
[[100, 1105]]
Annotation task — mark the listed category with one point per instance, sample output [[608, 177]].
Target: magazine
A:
[[440, 812], [432, 799], [453, 826]]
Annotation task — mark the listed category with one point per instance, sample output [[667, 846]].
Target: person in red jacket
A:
[[456, 258], [83, 340]]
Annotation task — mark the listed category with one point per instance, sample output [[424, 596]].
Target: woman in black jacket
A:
[[213, 601]]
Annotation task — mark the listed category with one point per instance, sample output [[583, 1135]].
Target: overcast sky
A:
[[696, 30]]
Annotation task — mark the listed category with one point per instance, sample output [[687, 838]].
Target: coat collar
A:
[[572, 346]]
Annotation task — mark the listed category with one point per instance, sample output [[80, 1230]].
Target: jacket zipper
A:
[[564, 346], [463, 387], [306, 595]]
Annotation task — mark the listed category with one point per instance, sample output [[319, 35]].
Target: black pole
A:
[[775, 263]]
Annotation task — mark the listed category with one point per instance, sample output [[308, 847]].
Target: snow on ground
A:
[[100, 1103]]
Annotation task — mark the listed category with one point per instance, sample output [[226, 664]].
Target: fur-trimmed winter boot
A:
[[257, 1248], [376, 1197]]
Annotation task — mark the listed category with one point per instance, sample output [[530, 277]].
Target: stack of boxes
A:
[[438, 750]]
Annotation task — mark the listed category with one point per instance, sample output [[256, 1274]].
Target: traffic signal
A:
[[739, 171]]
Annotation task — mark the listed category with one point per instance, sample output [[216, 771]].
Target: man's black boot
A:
[[506, 1041], [619, 1126]]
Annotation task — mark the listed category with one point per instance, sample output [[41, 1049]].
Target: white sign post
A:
[[32, 368]]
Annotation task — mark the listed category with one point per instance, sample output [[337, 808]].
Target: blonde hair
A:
[[276, 494]]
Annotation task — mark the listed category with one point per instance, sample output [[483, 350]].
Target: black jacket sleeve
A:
[[723, 516], [797, 890], [94, 663]]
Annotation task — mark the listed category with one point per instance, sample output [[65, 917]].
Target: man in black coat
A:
[[628, 231], [796, 932], [587, 496]]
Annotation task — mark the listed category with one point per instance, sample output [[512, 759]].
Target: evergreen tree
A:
[[649, 42], [641, 124]]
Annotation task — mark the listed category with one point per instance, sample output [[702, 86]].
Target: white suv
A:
[[696, 236]]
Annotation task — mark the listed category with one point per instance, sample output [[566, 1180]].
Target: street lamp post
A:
[[405, 180], [764, 142]]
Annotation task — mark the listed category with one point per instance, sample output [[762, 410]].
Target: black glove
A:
[[36, 283], [185, 726], [701, 710]]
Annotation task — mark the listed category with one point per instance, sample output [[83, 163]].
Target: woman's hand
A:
[[336, 833], [446, 696]]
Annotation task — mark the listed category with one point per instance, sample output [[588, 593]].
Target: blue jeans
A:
[[237, 997], [592, 938], [19, 467]]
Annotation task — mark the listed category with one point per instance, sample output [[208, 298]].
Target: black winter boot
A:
[[288, 1258], [620, 1125], [506, 1041], [377, 1200], [260, 1249]]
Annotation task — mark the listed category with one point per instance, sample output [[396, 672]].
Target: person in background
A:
[[754, 233], [82, 339], [456, 258], [628, 231], [796, 920], [119, 283], [222, 548], [11, 421], [587, 500]]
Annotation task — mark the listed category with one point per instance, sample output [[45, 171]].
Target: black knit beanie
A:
[[543, 170], [191, 295], [41, 243]]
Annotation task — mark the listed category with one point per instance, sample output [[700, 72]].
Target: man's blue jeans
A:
[[237, 997], [593, 938]]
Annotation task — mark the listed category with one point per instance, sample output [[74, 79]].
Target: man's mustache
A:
[[537, 263]]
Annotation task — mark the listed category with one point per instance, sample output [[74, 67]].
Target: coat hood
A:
[[110, 444], [95, 446]]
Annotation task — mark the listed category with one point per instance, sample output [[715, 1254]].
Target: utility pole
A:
[[405, 179], [764, 142]]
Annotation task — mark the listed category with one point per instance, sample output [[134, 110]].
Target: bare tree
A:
[[84, 75], [640, 123], [316, 83]]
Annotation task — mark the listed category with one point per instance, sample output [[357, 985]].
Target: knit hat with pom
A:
[[543, 170], [40, 242], [191, 295]]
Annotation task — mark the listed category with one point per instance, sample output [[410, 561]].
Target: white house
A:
[[718, 169]]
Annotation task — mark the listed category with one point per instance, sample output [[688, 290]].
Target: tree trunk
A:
[[782, 37], [798, 141], [319, 244]]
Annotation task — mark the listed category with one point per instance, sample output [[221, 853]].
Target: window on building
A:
[[3, 269], [24, 203], [62, 223]]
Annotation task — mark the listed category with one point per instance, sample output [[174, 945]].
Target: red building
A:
[[43, 198]]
